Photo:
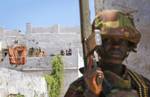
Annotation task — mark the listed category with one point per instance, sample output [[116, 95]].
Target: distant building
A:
[[49, 41]]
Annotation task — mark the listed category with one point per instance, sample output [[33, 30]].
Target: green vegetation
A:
[[15, 95], [55, 79], [19, 95]]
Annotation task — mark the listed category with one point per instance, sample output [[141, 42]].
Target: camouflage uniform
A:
[[130, 84], [113, 23]]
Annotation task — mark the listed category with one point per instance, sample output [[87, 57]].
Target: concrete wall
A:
[[14, 82], [52, 40], [139, 61]]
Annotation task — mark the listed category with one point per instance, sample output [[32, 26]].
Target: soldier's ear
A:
[[132, 47], [134, 50]]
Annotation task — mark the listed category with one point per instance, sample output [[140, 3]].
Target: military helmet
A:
[[114, 23]]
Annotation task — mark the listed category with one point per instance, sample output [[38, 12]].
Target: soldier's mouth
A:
[[116, 54]]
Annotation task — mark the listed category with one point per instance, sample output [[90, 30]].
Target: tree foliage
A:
[[55, 79], [15, 95]]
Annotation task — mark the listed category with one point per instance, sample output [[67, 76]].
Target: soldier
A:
[[112, 78]]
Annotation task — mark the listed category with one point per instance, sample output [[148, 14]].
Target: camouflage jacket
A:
[[130, 84]]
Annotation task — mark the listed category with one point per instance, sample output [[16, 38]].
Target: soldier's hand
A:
[[94, 79]]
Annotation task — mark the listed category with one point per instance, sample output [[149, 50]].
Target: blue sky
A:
[[14, 14]]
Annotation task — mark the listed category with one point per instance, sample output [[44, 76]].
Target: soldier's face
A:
[[115, 50]]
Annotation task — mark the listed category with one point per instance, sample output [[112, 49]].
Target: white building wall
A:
[[51, 40]]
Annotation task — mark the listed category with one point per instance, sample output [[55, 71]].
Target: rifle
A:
[[90, 43], [93, 42]]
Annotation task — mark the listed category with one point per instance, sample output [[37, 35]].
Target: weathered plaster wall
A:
[[52, 40], [14, 82], [139, 61]]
